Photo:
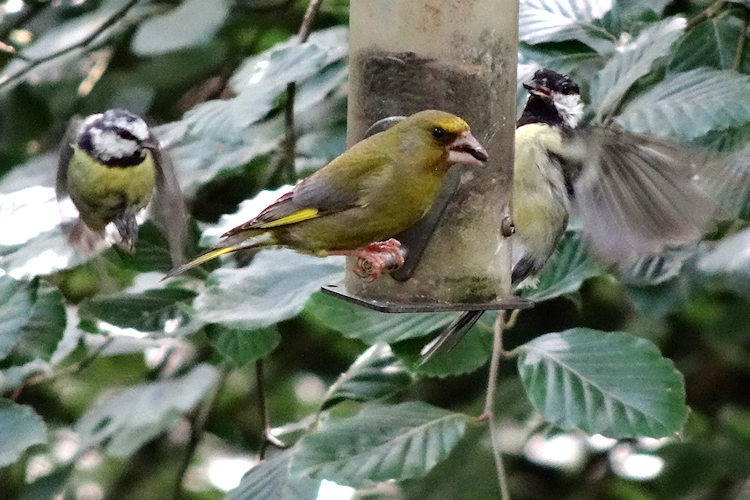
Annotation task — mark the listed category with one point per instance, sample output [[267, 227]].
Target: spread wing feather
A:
[[637, 195]]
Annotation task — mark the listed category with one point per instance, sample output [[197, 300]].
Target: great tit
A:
[[374, 190], [111, 169], [634, 195]]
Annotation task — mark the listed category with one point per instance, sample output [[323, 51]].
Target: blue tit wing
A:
[[168, 206], [637, 195]]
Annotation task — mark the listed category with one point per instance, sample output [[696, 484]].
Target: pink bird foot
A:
[[375, 259]]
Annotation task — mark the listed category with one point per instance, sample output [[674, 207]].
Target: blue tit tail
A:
[[127, 226]]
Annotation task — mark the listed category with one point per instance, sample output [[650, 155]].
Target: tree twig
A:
[[290, 138], [197, 427], [738, 55], [68, 370], [266, 436], [119, 14], [708, 13], [489, 404]]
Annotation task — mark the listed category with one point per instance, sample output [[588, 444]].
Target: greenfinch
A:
[[355, 204]]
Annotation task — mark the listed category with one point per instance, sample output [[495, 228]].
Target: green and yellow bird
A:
[[376, 189], [111, 170]]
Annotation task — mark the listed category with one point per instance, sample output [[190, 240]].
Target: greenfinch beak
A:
[[467, 150]]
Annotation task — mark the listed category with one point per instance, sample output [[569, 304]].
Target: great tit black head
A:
[[554, 99], [116, 138]]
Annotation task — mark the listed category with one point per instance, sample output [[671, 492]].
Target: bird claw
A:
[[378, 258]]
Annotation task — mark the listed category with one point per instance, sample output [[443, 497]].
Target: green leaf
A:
[[712, 43], [559, 20], [133, 416], [376, 373], [370, 326], [147, 311], [381, 443], [603, 383], [274, 287], [48, 486], [469, 355], [242, 346], [565, 271], [192, 23], [40, 335], [20, 428], [270, 479], [730, 258], [632, 61], [16, 301], [690, 104]]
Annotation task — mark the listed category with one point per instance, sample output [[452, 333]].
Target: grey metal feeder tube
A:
[[459, 56]]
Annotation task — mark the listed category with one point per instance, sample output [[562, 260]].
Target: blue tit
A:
[[112, 169]]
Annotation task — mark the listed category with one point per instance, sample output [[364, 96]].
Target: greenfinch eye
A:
[[438, 132]]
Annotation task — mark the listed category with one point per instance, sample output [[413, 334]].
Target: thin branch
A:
[[737, 66], [290, 138], [68, 370], [489, 404], [708, 13], [266, 436], [83, 43], [197, 427], [310, 14]]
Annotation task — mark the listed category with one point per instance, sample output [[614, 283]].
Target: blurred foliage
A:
[[108, 374]]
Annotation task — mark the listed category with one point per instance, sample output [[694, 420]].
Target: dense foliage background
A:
[[118, 385]]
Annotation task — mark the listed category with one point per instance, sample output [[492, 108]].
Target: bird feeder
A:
[[458, 56]]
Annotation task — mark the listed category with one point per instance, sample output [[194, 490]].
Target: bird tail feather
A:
[[201, 259]]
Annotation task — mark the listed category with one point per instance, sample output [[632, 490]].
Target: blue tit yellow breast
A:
[[99, 191]]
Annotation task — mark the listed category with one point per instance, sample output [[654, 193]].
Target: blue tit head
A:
[[116, 138]]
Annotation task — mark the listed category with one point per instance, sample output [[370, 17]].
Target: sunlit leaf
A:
[[270, 479], [632, 61], [16, 303], [274, 287], [20, 428], [147, 311], [193, 22], [560, 20], [243, 346], [374, 374], [380, 443], [603, 383], [690, 104], [730, 258], [133, 416]]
